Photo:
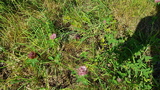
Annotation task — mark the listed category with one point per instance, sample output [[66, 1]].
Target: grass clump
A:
[[73, 44]]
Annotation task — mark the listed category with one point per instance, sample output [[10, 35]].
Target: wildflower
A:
[[78, 36], [53, 36], [157, 1], [104, 21], [82, 70], [119, 80], [32, 55]]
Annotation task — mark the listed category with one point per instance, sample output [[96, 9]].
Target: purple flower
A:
[[53, 36], [32, 55], [119, 79], [78, 36], [82, 70], [104, 21], [156, 1]]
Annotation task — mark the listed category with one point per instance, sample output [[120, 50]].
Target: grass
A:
[[89, 33]]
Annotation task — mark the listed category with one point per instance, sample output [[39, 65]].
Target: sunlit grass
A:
[[129, 12]]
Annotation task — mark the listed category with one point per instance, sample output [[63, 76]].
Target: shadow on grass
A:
[[146, 33]]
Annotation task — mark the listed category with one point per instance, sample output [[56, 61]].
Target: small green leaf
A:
[[51, 58], [1, 49], [32, 61], [147, 58]]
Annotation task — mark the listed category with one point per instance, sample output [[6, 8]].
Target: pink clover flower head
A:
[[82, 70], [156, 1], [104, 21], [53, 36], [78, 36], [32, 55], [119, 79]]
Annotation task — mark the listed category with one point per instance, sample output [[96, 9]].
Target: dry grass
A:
[[129, 12]]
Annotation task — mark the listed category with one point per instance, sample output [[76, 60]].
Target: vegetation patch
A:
[[78, 45]]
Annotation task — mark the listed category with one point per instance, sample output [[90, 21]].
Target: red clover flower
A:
[[32, 55], [104, 22], [53, 36], [156, 1], [82, 70], [78, 36]]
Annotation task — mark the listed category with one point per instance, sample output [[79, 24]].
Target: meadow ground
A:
[[75, 45]]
